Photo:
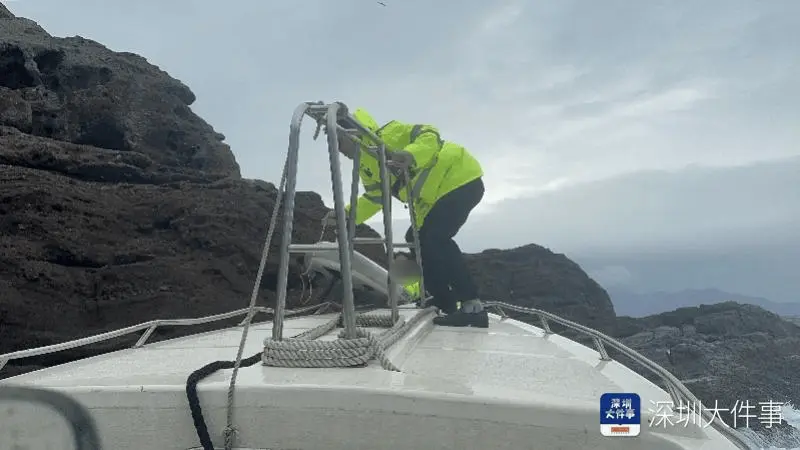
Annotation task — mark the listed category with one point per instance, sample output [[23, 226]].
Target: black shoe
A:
[[444, 307], [462, 319]]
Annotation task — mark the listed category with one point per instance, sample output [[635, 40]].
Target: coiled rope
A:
[[304, 351]]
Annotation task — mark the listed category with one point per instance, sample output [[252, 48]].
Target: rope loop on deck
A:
[[304, 350]]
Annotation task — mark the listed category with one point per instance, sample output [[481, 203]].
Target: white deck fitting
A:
[[506, 387]]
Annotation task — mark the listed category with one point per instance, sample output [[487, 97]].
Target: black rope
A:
[[205, 371], [194, 402]]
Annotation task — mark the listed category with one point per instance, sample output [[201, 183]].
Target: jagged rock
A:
[[5, 13], [76, 90], [80, 257], [119, 205], [14, 110], [534, 277], [724, 353]]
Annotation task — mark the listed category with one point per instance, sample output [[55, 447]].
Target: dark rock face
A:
[[5, 13], [119, 205], [75, 90], [534, 277], [726, 352], [82, 257]]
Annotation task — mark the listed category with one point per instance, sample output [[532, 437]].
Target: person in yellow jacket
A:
[[446, 183]]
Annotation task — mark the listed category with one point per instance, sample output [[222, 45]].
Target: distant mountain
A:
[[627, 303]]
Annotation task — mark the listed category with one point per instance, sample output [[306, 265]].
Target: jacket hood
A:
[[366, 119]]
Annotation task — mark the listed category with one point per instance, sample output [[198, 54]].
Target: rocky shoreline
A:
[[120, 205]]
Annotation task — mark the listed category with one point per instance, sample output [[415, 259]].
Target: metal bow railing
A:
[[148, 328], [678, 392]]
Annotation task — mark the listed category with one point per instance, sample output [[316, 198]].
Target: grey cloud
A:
[[694, 208], [734, 228], [768, 271]]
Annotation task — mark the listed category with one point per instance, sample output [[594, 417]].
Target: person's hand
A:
[[399, 161]]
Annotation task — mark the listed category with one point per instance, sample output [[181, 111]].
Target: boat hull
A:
[[511, 386]]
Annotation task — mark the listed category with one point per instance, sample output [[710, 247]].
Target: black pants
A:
[[444, 270]]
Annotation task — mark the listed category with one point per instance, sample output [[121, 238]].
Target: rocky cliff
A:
[[535, 277], [724, 353], [120, 205]]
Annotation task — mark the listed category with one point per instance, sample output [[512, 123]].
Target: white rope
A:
[[304, 351], [230, 430]]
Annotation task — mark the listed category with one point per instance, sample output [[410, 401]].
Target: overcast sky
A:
[[570, 105]]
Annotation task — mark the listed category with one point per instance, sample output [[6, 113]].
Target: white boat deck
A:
[[506, 387]]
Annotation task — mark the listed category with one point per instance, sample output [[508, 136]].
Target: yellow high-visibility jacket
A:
[[439, 167]]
